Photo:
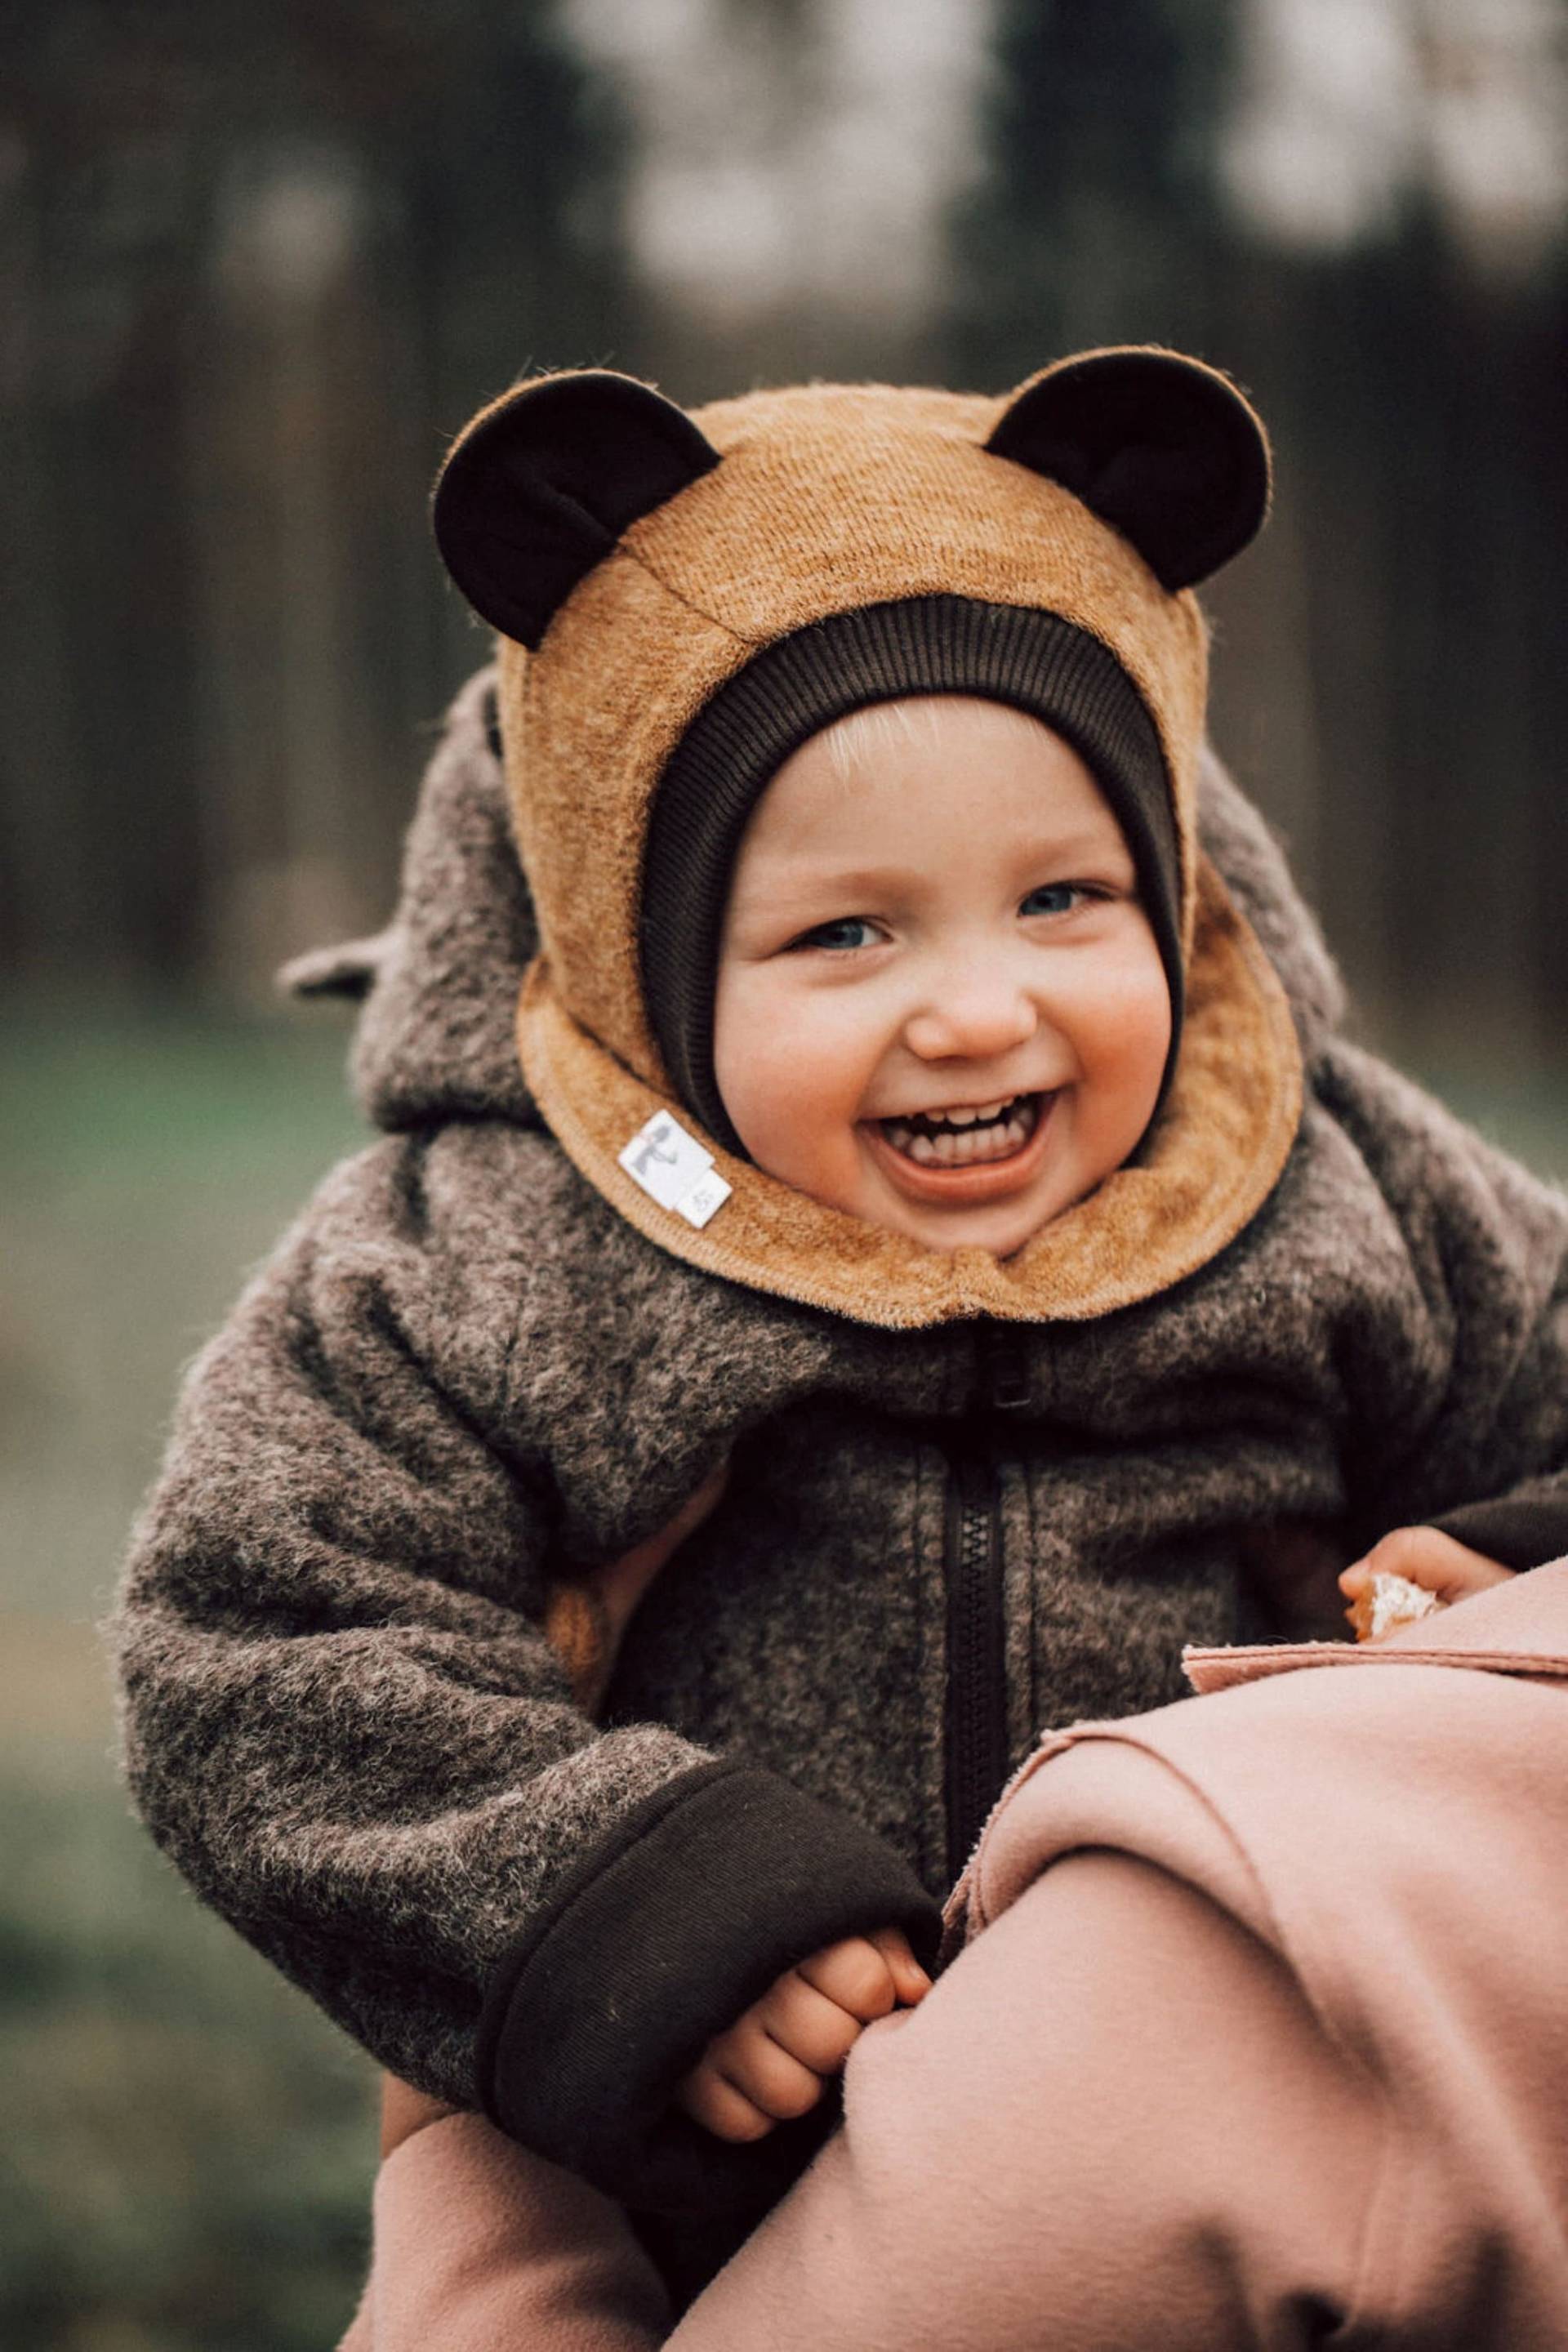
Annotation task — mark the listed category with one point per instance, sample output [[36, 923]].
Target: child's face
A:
[[934, 914]]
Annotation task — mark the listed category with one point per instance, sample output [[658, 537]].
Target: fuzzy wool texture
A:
[[463, 1378]]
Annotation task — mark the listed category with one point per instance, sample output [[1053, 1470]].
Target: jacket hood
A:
[[436, 1038], [438, 987], [636, 560]]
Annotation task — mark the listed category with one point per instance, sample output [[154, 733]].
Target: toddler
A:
[[875, 1243]]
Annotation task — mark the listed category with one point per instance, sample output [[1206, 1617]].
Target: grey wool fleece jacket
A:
[[463, 1378]]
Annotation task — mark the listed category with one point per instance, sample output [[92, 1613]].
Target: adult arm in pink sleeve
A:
[[1114, 2122]]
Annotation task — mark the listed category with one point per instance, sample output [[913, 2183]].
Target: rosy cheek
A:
[[798, 1062], [1131, 1022], [802, 1104], [773, 1135], [754, 1107]]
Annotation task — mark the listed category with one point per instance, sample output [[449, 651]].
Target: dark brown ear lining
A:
[[1160, 448], [540, 490]]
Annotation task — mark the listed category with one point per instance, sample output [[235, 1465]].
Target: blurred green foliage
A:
[[188, 2150], [189, 2145]]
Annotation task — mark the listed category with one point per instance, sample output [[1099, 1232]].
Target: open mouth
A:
[[965, 1138]]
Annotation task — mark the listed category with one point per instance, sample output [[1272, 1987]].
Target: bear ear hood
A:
[[645, 558], [1163, 448], [639, 562], [545, 482]]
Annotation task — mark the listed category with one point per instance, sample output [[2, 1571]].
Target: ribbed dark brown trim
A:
[[1526, 1528], [696, 1901], [925, 644]]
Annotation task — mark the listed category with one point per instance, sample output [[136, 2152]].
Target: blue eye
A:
[[846, 931], [1053, 899]]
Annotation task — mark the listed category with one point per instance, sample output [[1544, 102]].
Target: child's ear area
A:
[[542, 485], [1160, 446]]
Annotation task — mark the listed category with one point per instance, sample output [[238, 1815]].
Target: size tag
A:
[[675, 1169], [706, 1198]]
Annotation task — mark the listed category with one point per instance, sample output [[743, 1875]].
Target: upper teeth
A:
[[979, 1117]]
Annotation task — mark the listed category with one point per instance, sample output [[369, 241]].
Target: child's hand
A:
[[771, 2063], [1426, 1557]]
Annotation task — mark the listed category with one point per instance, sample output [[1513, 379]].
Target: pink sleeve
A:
[[1113, 2122], [482, 2247]]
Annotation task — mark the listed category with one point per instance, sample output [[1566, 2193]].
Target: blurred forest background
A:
[[261, 259]]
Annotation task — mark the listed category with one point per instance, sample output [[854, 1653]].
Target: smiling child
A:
[[876, 1244], [983, 1038]]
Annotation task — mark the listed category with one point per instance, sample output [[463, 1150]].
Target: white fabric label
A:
[[675, 1169], [707, 1196]]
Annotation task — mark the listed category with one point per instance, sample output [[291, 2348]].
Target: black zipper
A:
[[977, 1729], [976, 1746]]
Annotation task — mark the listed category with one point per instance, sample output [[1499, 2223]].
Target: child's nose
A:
[[978, 1016]]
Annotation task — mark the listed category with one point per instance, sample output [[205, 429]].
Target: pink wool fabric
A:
[[1255, 2032]]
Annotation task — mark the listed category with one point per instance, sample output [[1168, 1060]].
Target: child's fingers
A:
[[719, 2107], [1427, 1558], [770, 2065], [869, 1975], [817, 2031], [855, 1974], [909, 1979], [752, 2062]]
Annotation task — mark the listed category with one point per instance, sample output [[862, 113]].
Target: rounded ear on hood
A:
[[1162, 448], [539, 489]]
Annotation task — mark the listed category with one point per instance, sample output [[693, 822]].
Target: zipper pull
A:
[[1004, 1367]]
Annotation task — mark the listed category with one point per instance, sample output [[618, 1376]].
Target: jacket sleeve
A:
[[1464, 1419], [343, 1720]]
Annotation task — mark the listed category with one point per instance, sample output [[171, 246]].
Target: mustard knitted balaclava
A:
[[683, 599]]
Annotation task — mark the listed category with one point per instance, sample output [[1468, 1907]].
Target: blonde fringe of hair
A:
[[879, 728]]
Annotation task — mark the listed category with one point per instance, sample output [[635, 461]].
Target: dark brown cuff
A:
[[663, 1937], [1524, 1528]]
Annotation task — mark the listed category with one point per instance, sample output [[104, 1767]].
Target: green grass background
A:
[[186, 2152]]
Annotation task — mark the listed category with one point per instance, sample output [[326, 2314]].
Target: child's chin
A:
[[1000, 1231]]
